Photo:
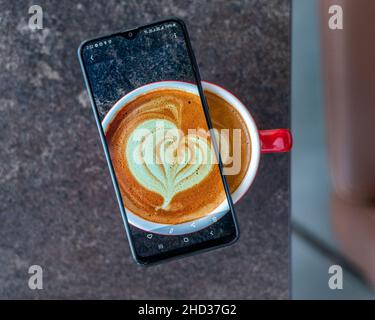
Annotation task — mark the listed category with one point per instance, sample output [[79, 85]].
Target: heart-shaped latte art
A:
[[165, 161]]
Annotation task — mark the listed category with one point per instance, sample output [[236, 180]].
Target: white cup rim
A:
[[254, 137], [192, 226]]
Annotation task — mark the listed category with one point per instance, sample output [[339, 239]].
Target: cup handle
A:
[[275, 140]]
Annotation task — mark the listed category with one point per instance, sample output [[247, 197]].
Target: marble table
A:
[[57, 205]]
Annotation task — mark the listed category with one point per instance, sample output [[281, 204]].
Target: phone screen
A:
[[155, 130]]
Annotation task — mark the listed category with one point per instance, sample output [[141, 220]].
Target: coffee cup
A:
[[261, 141]]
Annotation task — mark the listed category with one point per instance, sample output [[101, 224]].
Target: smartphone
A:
[[154, 125]]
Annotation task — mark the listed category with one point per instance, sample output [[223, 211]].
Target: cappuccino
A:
[[156, 184]]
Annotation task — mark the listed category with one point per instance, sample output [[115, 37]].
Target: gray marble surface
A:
[[57, 205]]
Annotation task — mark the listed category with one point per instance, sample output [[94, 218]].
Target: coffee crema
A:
[[225, 116], [158, 185]]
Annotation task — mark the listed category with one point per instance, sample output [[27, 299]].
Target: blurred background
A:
[[333, 182]]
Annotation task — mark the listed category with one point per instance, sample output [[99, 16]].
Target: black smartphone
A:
[[153, 120]]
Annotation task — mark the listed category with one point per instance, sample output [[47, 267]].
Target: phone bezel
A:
[[182, 251]]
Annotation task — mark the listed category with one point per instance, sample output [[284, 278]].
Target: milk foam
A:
[[164, 160]]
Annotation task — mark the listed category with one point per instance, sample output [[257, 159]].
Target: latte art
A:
[[163, 157], [164, 160]]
